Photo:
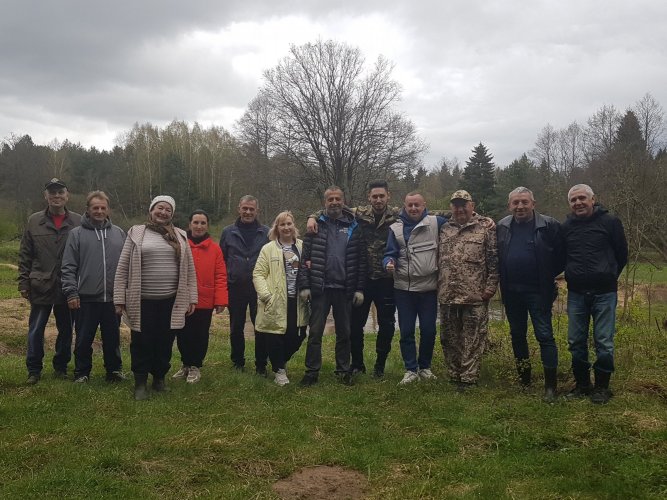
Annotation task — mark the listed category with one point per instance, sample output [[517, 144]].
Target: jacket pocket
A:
[[473, 248], [423, 257], [41, 282]]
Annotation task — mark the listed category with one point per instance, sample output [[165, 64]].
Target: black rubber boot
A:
[[550, 383], [601, 393], [524, 371], [140, 389], [159, 385], [583, 387]]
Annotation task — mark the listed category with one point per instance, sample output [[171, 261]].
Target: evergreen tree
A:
[[479, 179]]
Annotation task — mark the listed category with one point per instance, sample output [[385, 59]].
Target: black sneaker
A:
[[308, 381], [159, 385], [33, 378], [60, 374], [579, 392], [346, 379], [82, 379], [601, 396], [115, 376]]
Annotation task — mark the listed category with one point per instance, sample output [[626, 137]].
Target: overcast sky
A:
[[471, 71]]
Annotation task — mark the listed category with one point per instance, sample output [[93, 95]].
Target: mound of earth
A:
[[322, 482]]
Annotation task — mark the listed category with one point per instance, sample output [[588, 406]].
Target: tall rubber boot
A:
[[601, 393], [524, 371], [550, 384], [583, 385], [140, 388]]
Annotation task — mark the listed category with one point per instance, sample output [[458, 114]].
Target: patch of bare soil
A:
[[322, 482]]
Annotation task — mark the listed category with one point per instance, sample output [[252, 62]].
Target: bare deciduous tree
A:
[[332, 117], [651, 117]]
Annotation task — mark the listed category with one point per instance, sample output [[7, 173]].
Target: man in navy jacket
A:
[[241, 243]]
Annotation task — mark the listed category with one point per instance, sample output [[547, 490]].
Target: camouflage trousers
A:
[[463, 333]]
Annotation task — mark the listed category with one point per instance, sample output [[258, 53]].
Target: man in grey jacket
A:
[[88, 271], [40, 258]]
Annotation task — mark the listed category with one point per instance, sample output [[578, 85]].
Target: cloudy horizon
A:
[[491, 72]]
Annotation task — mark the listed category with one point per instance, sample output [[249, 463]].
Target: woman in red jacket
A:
[[192, 340]]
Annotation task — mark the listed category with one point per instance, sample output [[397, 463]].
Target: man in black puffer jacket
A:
[[596, 252], [333, 275]]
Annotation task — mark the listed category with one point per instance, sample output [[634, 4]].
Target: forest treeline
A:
[[306, 129]]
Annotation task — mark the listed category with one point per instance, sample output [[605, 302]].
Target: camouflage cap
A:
[[461, 195]]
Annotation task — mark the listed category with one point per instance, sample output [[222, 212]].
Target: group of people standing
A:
[[166, 283]]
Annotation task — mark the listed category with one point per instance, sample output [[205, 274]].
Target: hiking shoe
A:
[[59, 374], [115, 376], [579, 392], [281, 377], [83, 379], [182, 373], [409, 378], [308, 381], [427, 374], [601, 396], [194, 375], [33, 378]]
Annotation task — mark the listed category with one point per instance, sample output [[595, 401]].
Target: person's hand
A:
[[390, 267], [74, 303], [264, 299], [486, 295], [120, 309], [308, 263], [191, 309], [305, 294], [311, 226], [25, 294], [358, 299], [219, 309]]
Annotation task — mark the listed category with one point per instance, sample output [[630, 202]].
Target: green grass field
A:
[[234, 434]]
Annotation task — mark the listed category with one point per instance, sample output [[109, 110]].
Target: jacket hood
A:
[[346, 216], [88, 223], [598, 210]]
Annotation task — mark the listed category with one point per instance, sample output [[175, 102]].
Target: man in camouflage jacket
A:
[[468, 267]]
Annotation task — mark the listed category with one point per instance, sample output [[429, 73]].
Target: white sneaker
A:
[[409, 378], [281, 378], [182, 373], [194, 375], [427, 374]]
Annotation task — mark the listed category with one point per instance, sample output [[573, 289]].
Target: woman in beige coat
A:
[[155, 288], [281, 314]]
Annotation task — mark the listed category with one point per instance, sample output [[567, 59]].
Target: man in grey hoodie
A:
[[88, 271]]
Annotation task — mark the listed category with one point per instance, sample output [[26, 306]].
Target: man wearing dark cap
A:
[[40, 259]]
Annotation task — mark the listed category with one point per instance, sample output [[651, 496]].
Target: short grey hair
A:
[[578, 187], [248, 198], [521, 190]]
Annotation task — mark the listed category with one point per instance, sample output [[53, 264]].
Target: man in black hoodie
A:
[[596, 252]]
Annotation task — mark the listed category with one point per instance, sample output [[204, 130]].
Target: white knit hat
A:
[[166, 199]]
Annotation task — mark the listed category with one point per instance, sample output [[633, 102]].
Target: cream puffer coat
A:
[[270, 282]]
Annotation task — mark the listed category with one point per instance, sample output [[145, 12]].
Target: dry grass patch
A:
[[322, 482]]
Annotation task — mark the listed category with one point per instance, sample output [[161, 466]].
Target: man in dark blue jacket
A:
[[596, 252], [88, 272], [530, 256], [333, 276], [241, 243]]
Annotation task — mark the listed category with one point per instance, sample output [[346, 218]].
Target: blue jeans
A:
[[518, 305], [411, 305], [39, 316], [602, 308]]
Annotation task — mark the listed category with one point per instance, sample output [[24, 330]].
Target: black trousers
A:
[[336, 299], [281, 347], [92, 315], [150, 349], [381, 293], [242, 297], [192, 340]]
